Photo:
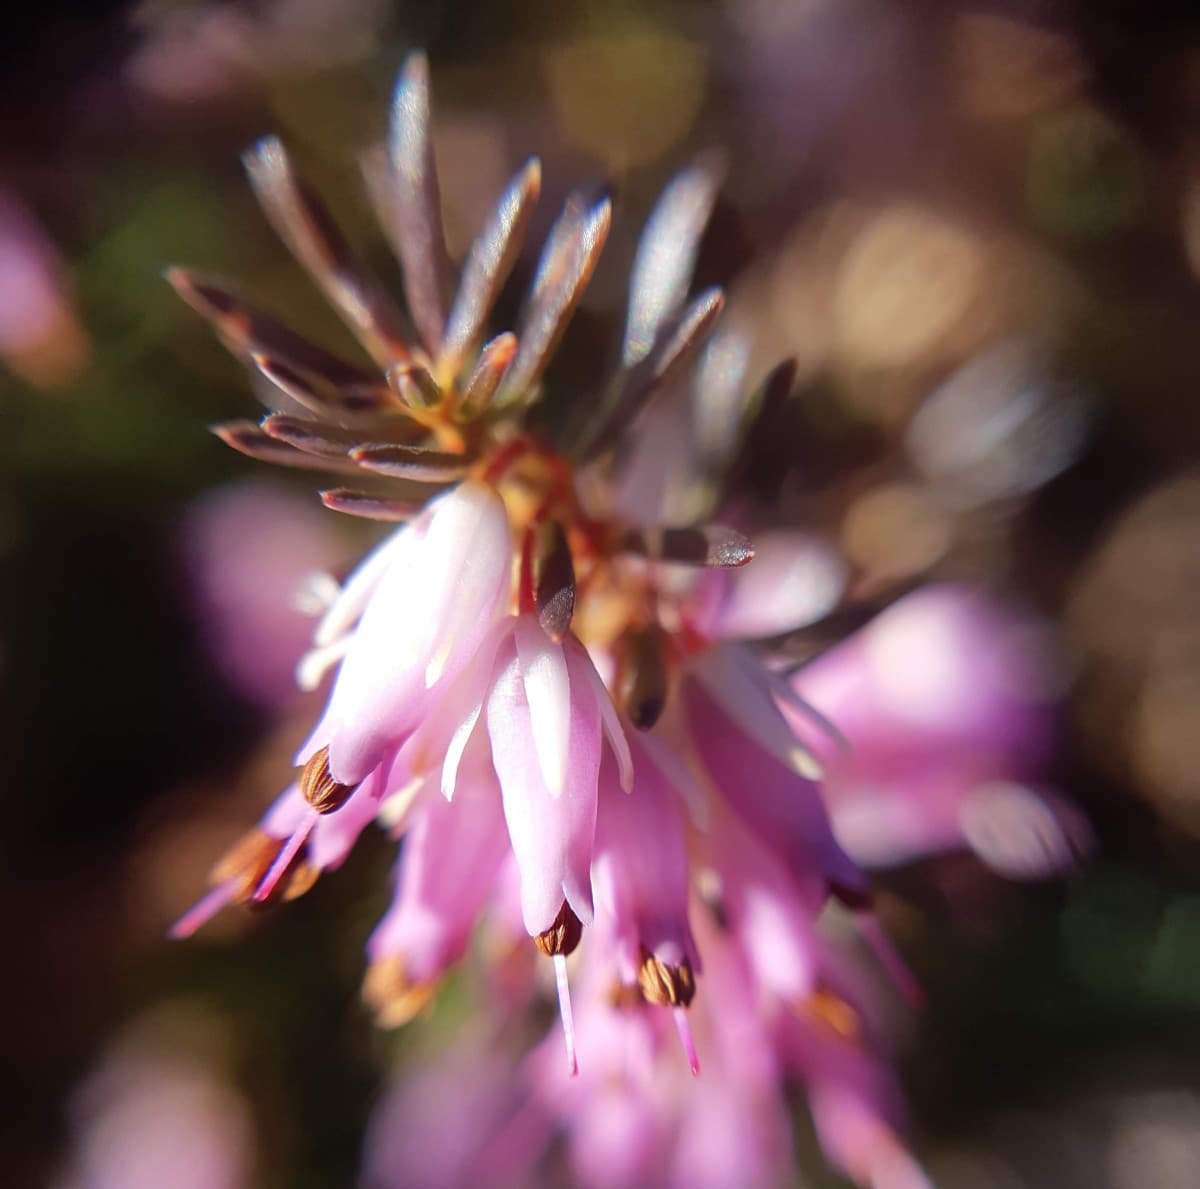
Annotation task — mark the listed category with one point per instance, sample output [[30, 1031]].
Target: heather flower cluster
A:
[[541, 683]]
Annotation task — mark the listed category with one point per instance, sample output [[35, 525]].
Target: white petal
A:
[[316, 592], [468, 570], [316, 662], [548, 691], [355, 594]]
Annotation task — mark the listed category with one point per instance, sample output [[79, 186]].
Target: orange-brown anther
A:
[[665, 985], [836, 1014], [391, 995], [249, 860], [624, 997], [563, 935], [320, 790]]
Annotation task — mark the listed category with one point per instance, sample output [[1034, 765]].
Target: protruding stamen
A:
[[563, 936], [242, 870], [665, 985], [203, 910], [564, 1010], [555, 597], [392, 996], [889, 958], [285, 858], [684, 1028], [320, 790], [246, 863]]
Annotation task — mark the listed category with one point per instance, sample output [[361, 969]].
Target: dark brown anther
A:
[[249, 860], [665, 985], [563, 935], [320, 790], [645, 680], [555, 597]]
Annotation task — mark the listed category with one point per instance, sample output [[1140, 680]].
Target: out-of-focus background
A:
[[976, 230]]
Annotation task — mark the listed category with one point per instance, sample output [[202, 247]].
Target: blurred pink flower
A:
[[544, 690], [249, 548], [41, 337], [948, 701], [145, 1119]]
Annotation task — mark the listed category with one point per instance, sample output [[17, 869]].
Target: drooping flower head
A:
[[540, 680]]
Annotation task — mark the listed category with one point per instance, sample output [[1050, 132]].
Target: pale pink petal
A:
[[551, 836], [640, 869], [548, 692], [448, 728], [677, 775], [742, 687], [425, 619], [468, 569], [447, 869], [771, 916], [783, 809], [582, 667], [351, 600], [286, 813]]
